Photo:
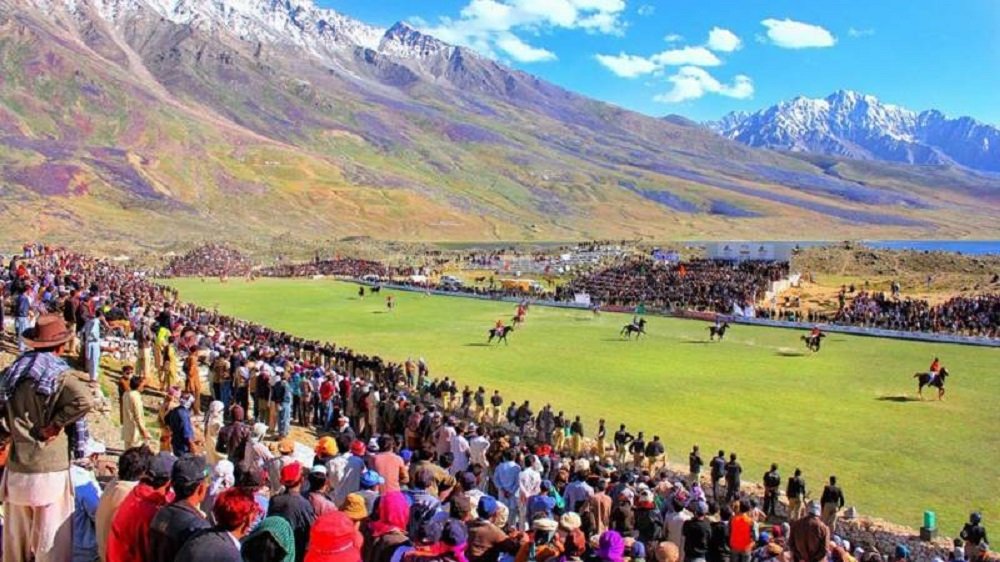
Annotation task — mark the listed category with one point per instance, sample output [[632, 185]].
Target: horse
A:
[[717, 331], [812, 343], [924, 379], [516, 320], [500, 334], [375, 289], [479, 280], [635, 328]]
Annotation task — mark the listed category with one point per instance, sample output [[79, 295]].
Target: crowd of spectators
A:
[[705, 285], [340, 266], [210, 260], [408, 467], [964, 315]]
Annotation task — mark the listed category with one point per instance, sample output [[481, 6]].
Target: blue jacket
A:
[[87, 496], [22, 306]]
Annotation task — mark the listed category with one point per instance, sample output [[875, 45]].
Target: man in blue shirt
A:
[[181, 430], [506, 477], [92, 340], [87, 496], [22, 308]]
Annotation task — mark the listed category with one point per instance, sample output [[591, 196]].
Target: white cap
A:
[[94, 447]]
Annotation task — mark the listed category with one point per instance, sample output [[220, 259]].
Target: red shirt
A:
[[325, 390], [741, 533], [128, 540]]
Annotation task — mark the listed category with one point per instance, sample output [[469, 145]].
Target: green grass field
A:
[[849, 410]]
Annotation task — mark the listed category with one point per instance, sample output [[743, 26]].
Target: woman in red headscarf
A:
[[388, 533]]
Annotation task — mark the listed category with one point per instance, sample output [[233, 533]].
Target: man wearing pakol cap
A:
[[40, 396], [541, 542], [291, 506], [179, 520], [809, 536]]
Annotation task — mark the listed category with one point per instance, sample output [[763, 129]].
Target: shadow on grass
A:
[[697, 342], [622, 340], [477, 345], [380, 312], [898, 398], [786, 352]]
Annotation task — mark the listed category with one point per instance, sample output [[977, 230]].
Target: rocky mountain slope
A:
[[858, 126], [154, 122]]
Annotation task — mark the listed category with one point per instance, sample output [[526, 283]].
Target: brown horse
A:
[[924, 379]]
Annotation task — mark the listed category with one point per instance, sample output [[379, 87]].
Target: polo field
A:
[[850, 410]]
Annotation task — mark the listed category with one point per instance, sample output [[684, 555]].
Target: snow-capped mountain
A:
[[298, 23], [860, 126], [165, 112]]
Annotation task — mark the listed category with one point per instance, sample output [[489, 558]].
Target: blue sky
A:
[[703, 58]]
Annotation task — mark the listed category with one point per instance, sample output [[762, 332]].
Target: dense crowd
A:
[[709, 285], [964, 315], [340, 266], [408, 466], [210, 260]]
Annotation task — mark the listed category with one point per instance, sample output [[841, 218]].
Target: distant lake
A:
[[971, 247]]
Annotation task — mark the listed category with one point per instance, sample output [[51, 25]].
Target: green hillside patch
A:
[[849, 410]]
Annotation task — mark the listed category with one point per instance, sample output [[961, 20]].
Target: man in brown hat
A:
[[40, 395]]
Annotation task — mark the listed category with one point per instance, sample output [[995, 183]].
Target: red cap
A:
[[333, 538], [358, 448], [291, 474]]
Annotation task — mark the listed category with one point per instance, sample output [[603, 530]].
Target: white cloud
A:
[[723, 40], [646, 10], [521, 51], [692, 82], [633, 66], [697, 56], [489, 25], [627, 66], [673, 37], [855, 32], [791, 34]]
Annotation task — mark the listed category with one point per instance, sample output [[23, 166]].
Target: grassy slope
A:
[[822, 413]]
